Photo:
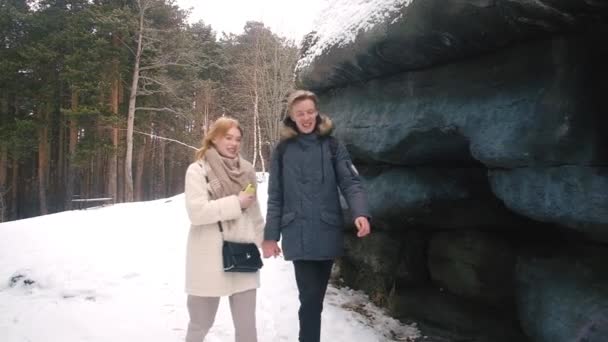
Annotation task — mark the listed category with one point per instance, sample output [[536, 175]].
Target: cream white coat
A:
[[204, 274]]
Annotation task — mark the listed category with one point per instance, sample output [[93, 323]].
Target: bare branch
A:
[[164, 109], [153, 29], [161, 65], [127, 46], [154, 136], [154, 109], [148, 92], [152, 39], [153, 80]]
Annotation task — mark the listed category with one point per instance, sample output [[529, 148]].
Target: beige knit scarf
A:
[[227, 176]]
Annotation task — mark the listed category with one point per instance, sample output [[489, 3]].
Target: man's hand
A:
[[363, 227], [270, 248]]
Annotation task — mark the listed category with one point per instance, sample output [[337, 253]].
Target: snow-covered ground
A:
[[116, 274]]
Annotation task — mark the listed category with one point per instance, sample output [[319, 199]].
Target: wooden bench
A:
[[81, 203]]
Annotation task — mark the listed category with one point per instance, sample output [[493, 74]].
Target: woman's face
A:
[[229, 145], [304, 114]]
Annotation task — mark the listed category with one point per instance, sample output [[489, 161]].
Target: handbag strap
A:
[[219, 223]]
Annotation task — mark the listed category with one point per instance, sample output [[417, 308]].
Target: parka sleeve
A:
[[200, 208], [274, 206], [350, 184]]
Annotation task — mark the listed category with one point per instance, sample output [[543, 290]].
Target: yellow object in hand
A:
[[250, 189]]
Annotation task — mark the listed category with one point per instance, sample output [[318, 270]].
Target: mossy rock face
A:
[[376, 286], [571, 196], [382, 261], [403, 198], [399, 257], [474, 265], [472, 321], [564, 298]]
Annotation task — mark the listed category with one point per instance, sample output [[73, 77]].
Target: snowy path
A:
[[116, 274]]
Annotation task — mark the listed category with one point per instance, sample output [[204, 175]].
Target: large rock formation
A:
[[416, 34], [534, 104], [479, 129]]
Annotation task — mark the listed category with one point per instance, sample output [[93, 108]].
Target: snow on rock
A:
[[343, 20]]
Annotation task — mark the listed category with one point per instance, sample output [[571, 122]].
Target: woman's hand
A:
[[270, 248], [363, 227], [246, 199]]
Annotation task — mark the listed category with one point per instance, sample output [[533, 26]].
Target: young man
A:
[[307, 168]]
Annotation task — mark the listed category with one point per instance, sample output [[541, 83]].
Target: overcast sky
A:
[[289, 18]]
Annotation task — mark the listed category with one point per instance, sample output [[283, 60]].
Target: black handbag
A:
[[240, 257]]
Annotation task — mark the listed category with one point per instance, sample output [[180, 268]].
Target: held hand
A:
[[270, 248], [363, 227], [246, 199]]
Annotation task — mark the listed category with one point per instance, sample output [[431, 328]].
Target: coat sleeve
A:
[[258, 223], [350, 183], [274, 206], [200, 208], [256, 215]]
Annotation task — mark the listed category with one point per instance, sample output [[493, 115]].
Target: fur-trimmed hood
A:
[[324, 127]]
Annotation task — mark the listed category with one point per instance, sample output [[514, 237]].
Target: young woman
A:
[[214, 193], [307, 168]]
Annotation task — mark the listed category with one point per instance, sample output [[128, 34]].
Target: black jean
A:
[[312, 277]]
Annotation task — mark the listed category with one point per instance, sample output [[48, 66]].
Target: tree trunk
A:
[[112, 189], [260, 146], [3, 148], [205, 116], [43, 146], [148, 171], [255, 128], [139, 175], [14, 190], [3, 188], [2, 206], [121, 179], [3, 166], [55, 181], [87, 186], [60, 176], [160, 186], [172, 170], [72, 152], [100, 160], [131, 113]]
